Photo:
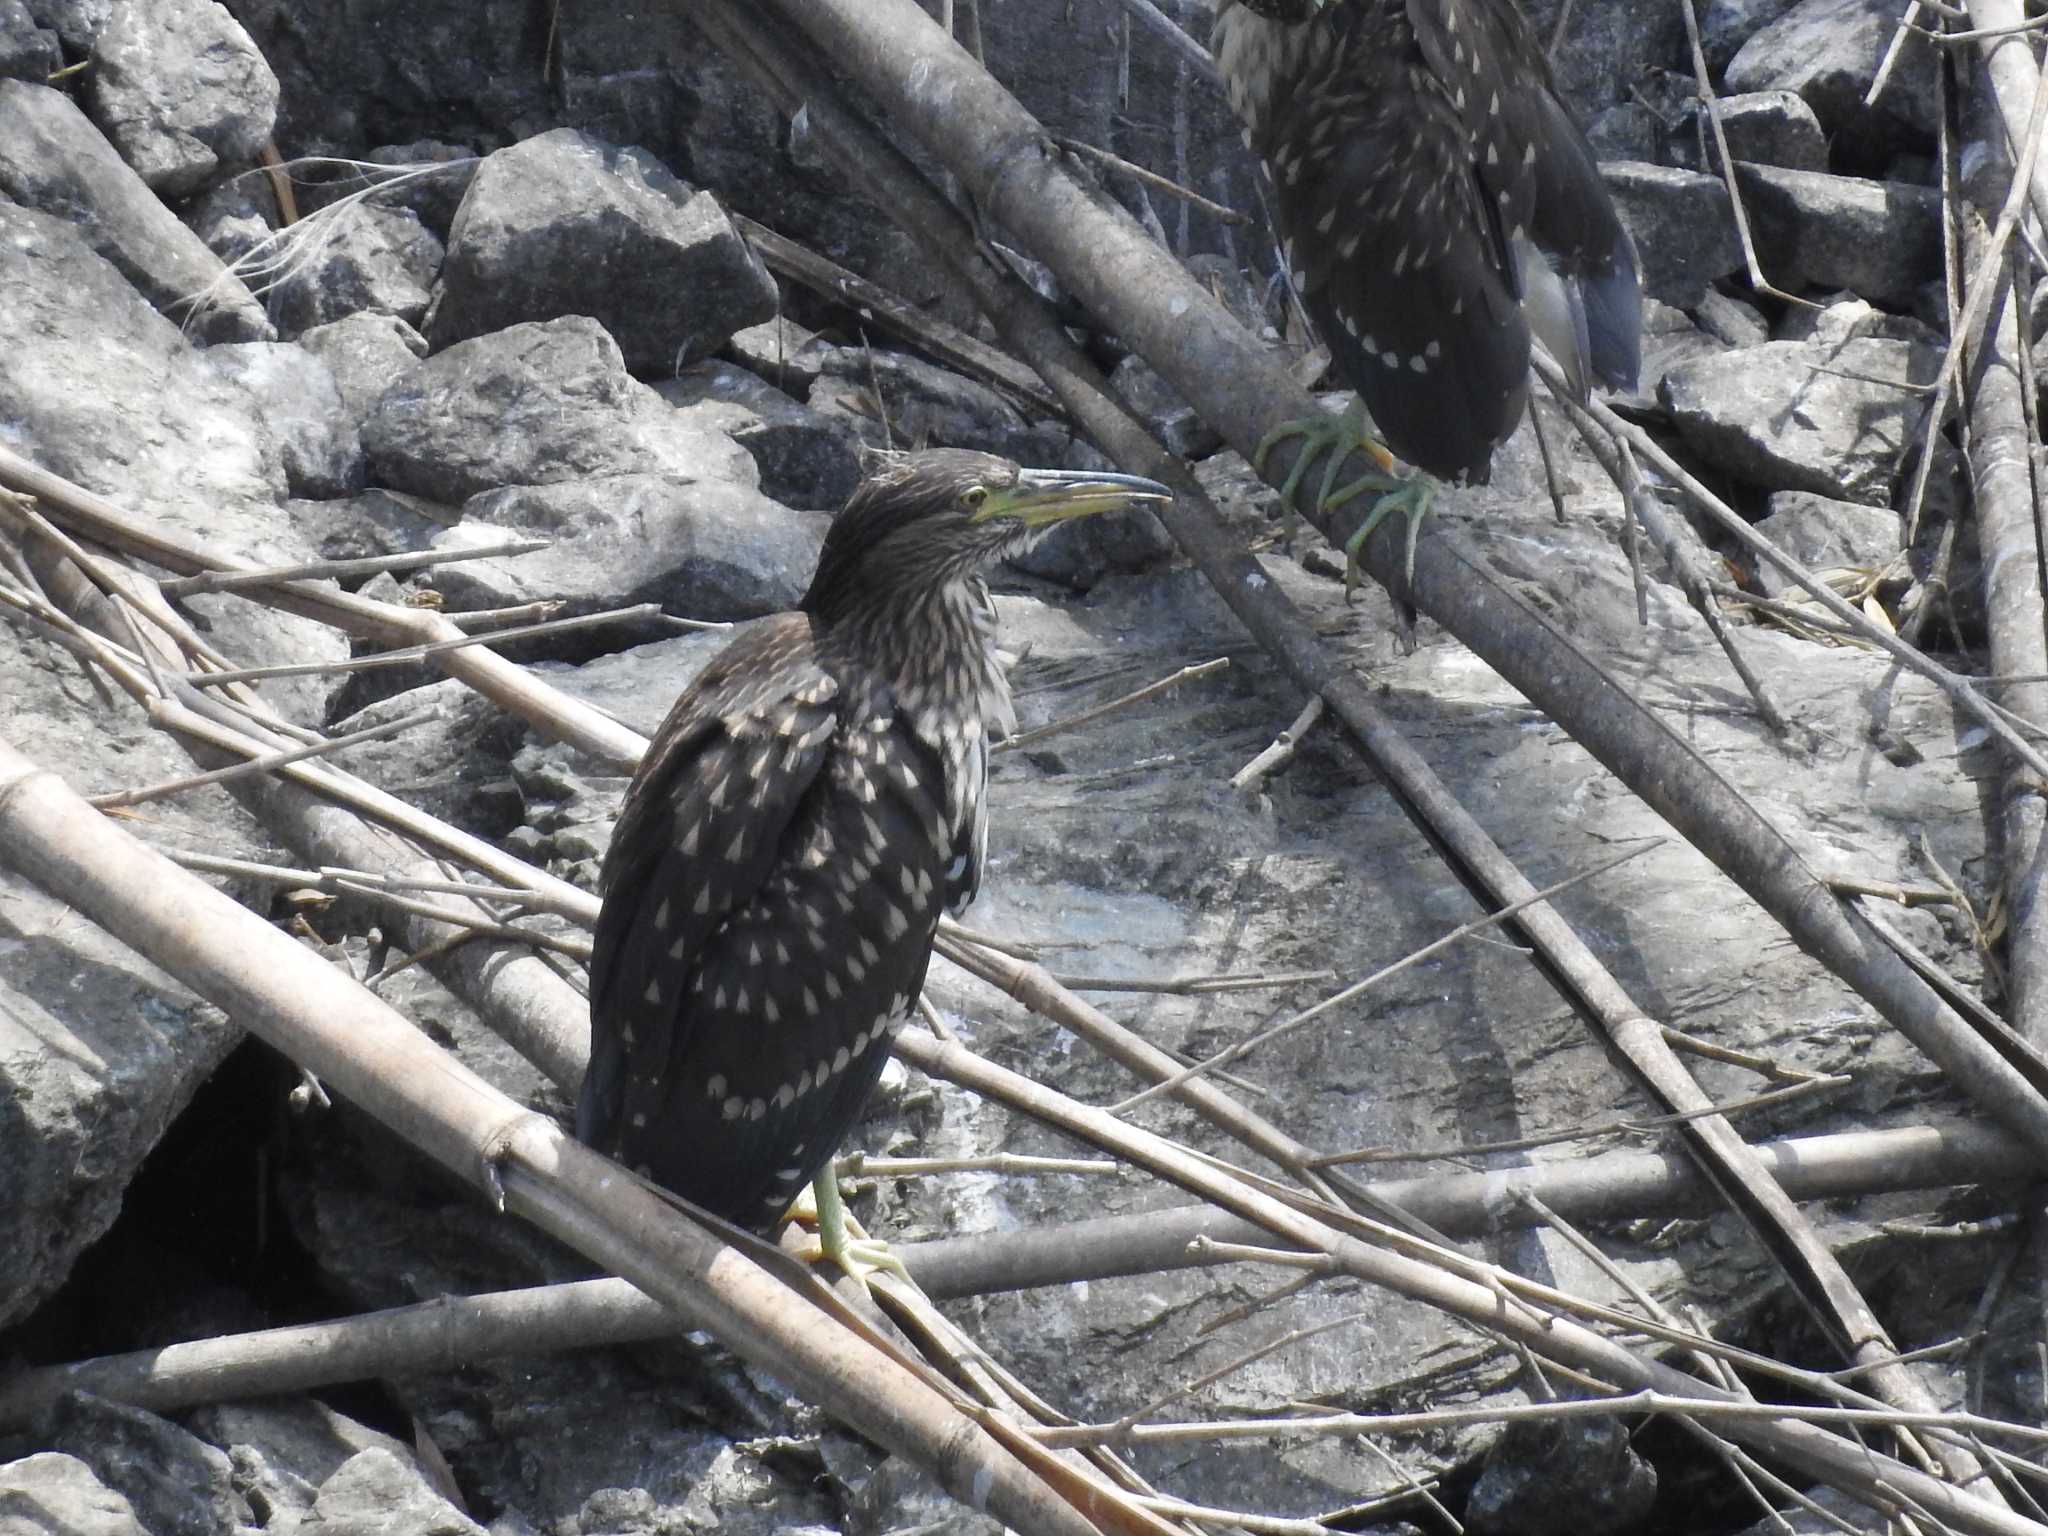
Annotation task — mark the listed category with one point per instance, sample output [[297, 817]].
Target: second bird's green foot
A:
[[1410, 498], [1333, 437]]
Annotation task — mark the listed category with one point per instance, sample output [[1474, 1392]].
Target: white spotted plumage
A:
[[1435, 203], [823, 778]]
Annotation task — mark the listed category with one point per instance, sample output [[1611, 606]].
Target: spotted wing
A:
[[1539, 174], [1397, 249], [809, 980], [699, 834]]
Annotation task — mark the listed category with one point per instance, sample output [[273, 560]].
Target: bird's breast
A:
[[1259, 55]]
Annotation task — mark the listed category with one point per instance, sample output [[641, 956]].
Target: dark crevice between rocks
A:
[[202, 1246]]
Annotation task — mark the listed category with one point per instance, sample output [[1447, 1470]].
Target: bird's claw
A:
[[840, 1239], [857, 1258], [1333, 438], [1411, 498]]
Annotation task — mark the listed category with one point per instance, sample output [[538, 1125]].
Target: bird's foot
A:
[[1332, 438], [840, 1239], [1410, 498]]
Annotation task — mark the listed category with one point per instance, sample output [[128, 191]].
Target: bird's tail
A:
[[1590, 321], [1613, 305]]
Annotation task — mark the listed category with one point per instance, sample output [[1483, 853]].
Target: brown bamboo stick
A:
[[2004, 496], [451, 1332]]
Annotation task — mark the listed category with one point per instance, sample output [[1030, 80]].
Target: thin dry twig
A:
[[341, 570], [1464, 931], [1251, 778], [264, 763], [1193, 672]]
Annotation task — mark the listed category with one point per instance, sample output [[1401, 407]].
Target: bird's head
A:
[[921, 521]]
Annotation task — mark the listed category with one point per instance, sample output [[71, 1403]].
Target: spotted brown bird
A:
[[811, 804], [1436, 205]]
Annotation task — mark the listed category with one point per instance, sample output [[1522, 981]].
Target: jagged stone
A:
[[182, 92], [565, 224], [54, 160]]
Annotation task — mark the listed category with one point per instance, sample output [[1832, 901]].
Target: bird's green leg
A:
[[1411, 498], [1324, 434], [840, 1239], [1334, 437]]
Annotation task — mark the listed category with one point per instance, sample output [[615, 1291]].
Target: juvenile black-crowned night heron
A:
[[1436, 205], [812, 803]]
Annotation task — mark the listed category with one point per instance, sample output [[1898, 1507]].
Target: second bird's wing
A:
[[1395, 246]]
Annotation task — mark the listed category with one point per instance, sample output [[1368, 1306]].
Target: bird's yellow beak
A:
[[1043, 496]]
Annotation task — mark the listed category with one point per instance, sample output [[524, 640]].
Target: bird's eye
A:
[[976, 495]]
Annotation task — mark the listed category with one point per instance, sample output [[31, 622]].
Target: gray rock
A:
[[1879, 239], [54, 160], [180, 89], [177, 1484], [1772, 417], [567, 224], [1768, 127], [77, 22], [639, 684], [705, 549], [364, 258], [1670, 337], [433, 197], [1823, 534], [234, 217], [1171, 419], [1725, 25], [1631, 131], [378, 522], [531, 405], [1820, 1511], [27, 51], [376, 1491], [97, 378], [894, 399], [781, 352], [295, 397], [1842, 317], [105, 391], [1576, 1477], [900, 1497], [1607, 45], [366, 353], [98, 1049], [1829, 51], [806, 459], [50, 1494], [455, 766], [1731, 320], [283, 1448], [1684, 228], [1656, 122]]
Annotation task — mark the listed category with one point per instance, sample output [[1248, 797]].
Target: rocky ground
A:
[[563, 334]]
